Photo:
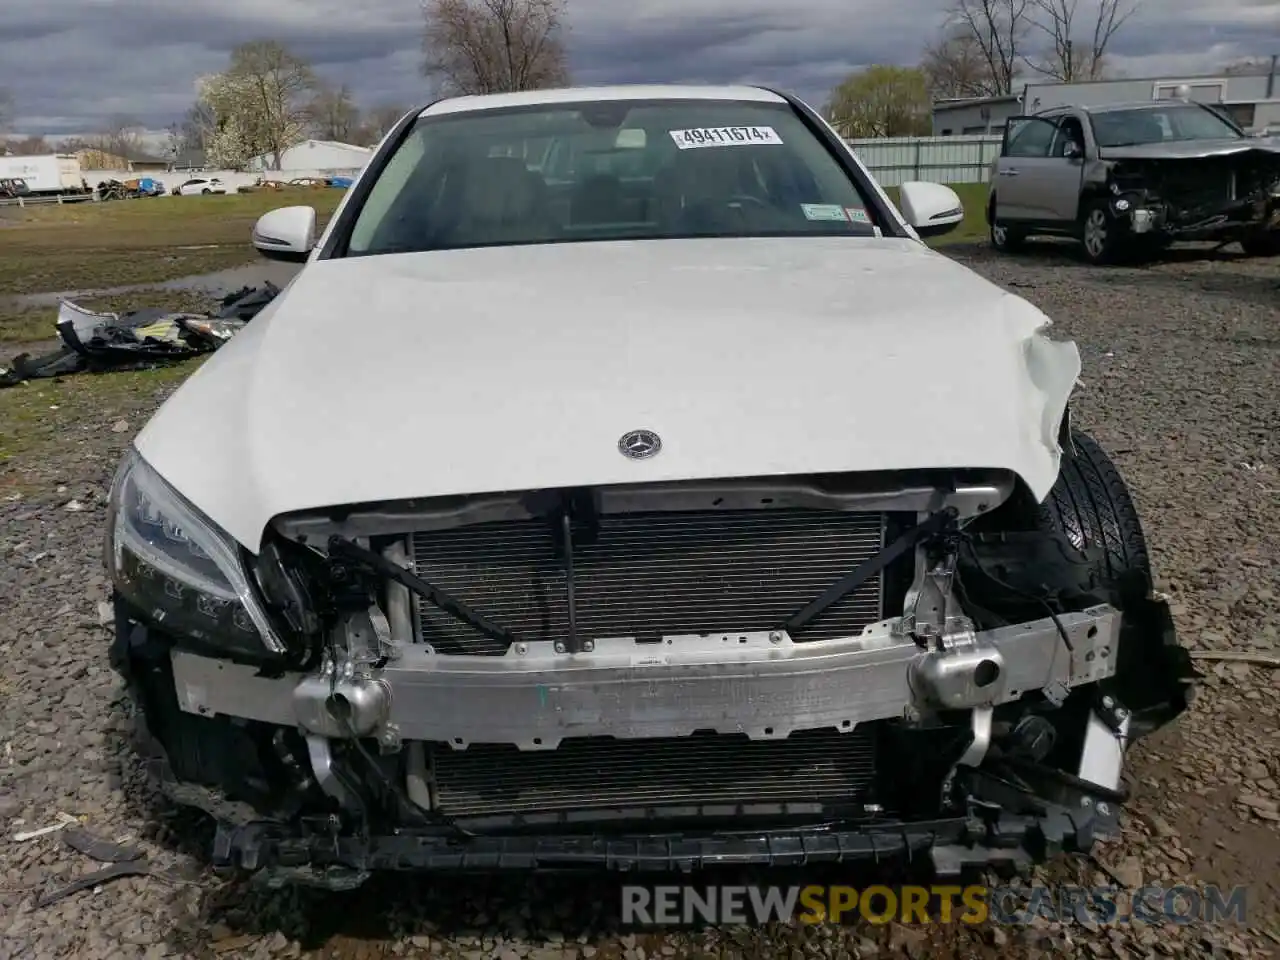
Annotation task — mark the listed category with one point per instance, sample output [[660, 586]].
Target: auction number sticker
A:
[[724, 137]]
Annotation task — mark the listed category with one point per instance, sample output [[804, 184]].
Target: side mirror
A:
[[1071, 150], [930, 208], [286, 234]]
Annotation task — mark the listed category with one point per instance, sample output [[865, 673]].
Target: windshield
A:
[[616, 170], [1143, 125]]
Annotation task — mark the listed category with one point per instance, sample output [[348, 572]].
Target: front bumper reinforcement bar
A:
[[760, 684]]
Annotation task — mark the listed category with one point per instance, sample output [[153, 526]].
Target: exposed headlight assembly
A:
[[177, 567]]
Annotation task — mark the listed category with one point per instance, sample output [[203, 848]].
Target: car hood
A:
[[513, 368], [1193, 149]]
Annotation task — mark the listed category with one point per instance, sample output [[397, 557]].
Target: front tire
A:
[[1103, 237], [1092, 505], [1004, 237]]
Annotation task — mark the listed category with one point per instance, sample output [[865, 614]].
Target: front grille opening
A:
[[818, 770], [651, 574]]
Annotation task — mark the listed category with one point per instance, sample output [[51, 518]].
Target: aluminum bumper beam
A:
[[760, 684]]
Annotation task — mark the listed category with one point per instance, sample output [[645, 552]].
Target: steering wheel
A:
[[748, 199]]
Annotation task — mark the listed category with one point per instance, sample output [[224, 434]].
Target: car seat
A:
[[598, 199], [499, 200]]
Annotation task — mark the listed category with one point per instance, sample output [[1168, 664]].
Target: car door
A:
[[1040, 179], [1024, 167], [1061, 181]]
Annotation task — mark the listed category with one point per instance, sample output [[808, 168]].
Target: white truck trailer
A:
[[48, 174]]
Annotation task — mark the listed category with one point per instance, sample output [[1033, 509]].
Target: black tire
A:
[[1092, 505], [1003, 237], [1104, 239], [1263, 245], [206, 191]]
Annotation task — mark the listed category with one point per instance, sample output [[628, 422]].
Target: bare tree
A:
[[6, 109], [999, 29], [1068, 60], [30, 147], [122, 136], [955, 66], [277, 87], [1251, 66], [334, 115], [192, 132], [494, 46], [378, 122]]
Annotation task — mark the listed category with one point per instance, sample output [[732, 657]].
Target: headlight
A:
[[177, 567]]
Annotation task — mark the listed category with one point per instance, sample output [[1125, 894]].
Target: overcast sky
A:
[[71, 63]]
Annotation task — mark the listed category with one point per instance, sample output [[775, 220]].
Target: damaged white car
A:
[[678, 506]]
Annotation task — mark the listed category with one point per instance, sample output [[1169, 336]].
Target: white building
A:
[[316, 155], [1251, 99]]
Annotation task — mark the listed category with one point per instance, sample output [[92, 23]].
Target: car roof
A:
[[1141, 105], [530, 98]]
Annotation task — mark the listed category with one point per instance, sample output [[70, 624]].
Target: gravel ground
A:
[[1182, 363]]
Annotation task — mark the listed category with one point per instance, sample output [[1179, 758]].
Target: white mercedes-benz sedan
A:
[[622, 482]]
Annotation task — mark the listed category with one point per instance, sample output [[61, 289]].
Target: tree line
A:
[[984, 49], [270, 98], [987, 48]]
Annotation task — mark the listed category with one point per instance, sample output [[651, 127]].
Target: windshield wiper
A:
[[447, 603], [935, 524]]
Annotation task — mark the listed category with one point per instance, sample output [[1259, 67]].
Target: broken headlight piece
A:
[[177, 567]]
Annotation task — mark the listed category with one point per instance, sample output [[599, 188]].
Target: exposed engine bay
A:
[[1224, 197], [857, 665]]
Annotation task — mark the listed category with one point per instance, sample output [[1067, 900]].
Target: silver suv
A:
[[1129, 179]]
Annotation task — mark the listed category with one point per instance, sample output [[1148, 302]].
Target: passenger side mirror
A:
[[286, 234], [930, 208], [1071, 150]]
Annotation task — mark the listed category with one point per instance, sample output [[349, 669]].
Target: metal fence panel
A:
[[896, 160]]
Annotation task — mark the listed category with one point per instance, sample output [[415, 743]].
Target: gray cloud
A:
[[71, 63]]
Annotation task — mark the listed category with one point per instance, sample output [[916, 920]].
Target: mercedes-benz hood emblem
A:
[[639, 444]]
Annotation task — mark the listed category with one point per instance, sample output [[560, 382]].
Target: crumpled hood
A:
[[472, 371], [1194, 149]]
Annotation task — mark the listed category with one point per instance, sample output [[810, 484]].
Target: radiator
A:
[[649, 575], [823, 767]]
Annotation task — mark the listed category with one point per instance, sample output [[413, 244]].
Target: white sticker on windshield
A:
[[824, 211], [724, 137], [857, 214]]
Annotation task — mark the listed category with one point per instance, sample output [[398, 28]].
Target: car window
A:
[[1030, 137], [1162, 124], [1069, 131], [608, 171]]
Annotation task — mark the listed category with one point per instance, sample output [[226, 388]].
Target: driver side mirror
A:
[[930, 208], [287, 234], [1071, 150]]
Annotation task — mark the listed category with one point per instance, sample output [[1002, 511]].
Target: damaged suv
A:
[[1129, 179], [680, 507]]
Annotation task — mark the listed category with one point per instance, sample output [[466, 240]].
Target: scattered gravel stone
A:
[[1181, 366]]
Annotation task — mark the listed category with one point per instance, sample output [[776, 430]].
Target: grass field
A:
[[93, 246]]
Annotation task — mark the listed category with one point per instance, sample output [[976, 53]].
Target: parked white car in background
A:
[[622, 482], [200, 186]]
